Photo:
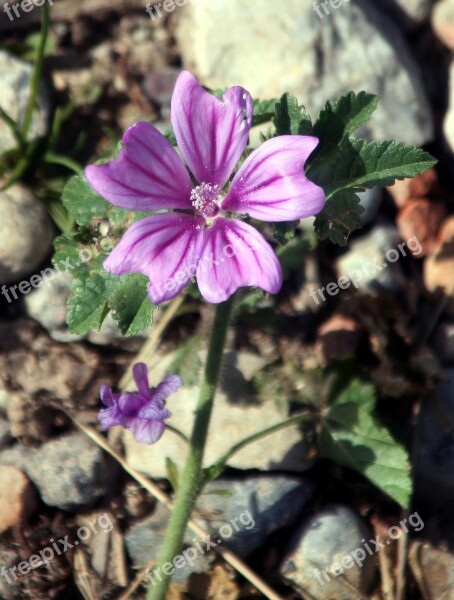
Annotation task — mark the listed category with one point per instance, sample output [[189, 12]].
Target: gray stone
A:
[[47, 305], [144, 540], [319, 547], [434, 468], [258, 506], [15, 77], [366, 261], [449, 118], [236, 415], [241, 521], [434, 571], [371, 201], [26, 235], [444, 342], [67, 471], [270, 50]]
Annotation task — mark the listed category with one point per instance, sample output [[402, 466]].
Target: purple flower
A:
[[197, 237], [142, 412]]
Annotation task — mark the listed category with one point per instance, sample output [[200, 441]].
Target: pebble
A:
[[18, 499], [421, 219], [434, 572], [338, 338], [444, 342], [356, 47], [26, 235], [15, 75], [439, 265], [67, 471], [320, 546]]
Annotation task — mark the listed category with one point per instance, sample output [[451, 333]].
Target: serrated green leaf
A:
[[129, 303], [344, 116], [87, 304], [173, 474], [358, 164], [291, 118], [340, 216], [352, 436], [82, 202]]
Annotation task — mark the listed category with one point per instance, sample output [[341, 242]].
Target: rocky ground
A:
[[110, 64]]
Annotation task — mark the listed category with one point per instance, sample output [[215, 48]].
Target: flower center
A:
[[205, 199]]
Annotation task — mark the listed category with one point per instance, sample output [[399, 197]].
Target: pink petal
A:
[[234, 255], [147, 175], [271, 184], [211, 133], [140, 376], [163, 247]]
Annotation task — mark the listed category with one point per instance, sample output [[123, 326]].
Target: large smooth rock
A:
[[235, 417], [270, 49], [242, 518], [15, 77], [67, 471], [26, 235], [325, 540]]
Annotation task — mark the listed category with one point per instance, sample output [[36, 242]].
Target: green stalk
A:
[[191, 479], [37, 72]]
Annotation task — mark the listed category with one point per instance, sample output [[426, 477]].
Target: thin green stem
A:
[[63, 161], [37, 72], [191, 479], [4, 116]]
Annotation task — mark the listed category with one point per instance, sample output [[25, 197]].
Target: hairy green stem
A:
[[191, 479]]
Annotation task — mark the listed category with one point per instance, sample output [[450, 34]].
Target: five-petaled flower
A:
[[198, 237], [141, 412]]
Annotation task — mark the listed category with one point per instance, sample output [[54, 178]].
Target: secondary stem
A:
[[191, 479]]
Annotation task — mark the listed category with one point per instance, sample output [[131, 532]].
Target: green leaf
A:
[[173, 474], [340, 216], [87, 304], [358, 164], [264, 111], [292, 256], [352, 436], [129, 303], [291, 118], [344, 116], [82, 202]]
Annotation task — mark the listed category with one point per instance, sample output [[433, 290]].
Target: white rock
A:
[[449, 119], [26, 233], [269, 49], [15, 77], [232, 420]]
